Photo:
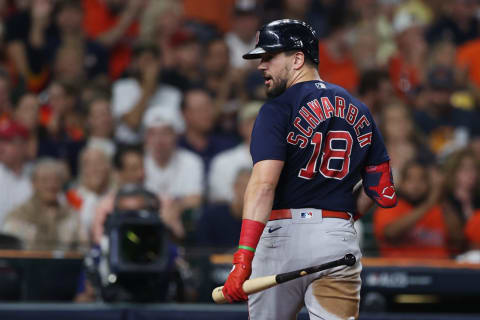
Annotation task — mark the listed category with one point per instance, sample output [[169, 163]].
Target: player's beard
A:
[[278, 87]]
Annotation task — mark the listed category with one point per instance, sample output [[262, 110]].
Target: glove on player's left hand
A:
[[242, 268]]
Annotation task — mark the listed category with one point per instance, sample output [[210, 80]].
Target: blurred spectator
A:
[[215, 12], [92, 58], [336, 62], [113, 23], [185, 71], [458, 22], [407, 64], [61, 132], [404, 143], [199, 114], [128, 162], [462, 171], [418, 226], [220, 224], [171, 171], [226, 165], [26, 114], [5, 101], [448, 127], [14, 170], [141, 91], [375, 91], [468, 62], [471, 231], [241, 38], [94, 182], [315, 13], [100, 124], [67, 55], [160, 21], [223, 81], [26, 31], [44, 222]]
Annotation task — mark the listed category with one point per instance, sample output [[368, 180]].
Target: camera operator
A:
[[138, 261]]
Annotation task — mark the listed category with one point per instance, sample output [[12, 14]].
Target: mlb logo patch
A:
[[306, 215]]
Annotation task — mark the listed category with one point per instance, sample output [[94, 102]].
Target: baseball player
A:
[[311, 144]]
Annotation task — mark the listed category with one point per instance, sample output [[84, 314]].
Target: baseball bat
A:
[[262, 283]]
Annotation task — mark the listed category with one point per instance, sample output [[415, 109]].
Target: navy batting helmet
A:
[[285, 35]]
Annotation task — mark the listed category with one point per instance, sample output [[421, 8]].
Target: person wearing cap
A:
[[242, 35], [313, 146], [14, 170], [139, 91], [225, 166], [174, 173]]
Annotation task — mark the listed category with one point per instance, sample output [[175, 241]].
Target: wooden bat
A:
[[262, 283]]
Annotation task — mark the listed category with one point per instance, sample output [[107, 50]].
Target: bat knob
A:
[[350, 259]]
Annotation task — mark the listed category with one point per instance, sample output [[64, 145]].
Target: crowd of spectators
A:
[[99, 94]]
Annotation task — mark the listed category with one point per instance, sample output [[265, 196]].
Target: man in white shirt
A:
[[15, 184], [171, 171], [226, 165], [244, 27], [133, 96]]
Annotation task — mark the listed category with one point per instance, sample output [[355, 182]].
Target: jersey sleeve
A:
[[378, 152], [269, 134]]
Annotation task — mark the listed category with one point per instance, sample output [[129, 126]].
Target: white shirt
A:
[[14, 189], [127, 92], [104, 144], [237, 49], [183, 175], [224, 169], [90, 201]]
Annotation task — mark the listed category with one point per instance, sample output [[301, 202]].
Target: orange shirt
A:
[[472, 230], [97, 20], [403, 76], [426, 239], [217, 12], [468, 57], [340, 72]]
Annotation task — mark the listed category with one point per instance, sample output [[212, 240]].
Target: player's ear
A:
[[298, 60]]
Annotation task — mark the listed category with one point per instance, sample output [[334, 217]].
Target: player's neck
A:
[[302, 75]]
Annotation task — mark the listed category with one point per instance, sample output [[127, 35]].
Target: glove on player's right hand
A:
[[242, 268]]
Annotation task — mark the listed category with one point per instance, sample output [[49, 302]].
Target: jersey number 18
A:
[[329, 153]]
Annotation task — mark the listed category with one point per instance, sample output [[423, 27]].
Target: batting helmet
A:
[[285, 35]]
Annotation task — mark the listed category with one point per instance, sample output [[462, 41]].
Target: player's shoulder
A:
[[332, 90]]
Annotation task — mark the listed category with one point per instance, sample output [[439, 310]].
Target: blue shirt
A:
[[325, 136]]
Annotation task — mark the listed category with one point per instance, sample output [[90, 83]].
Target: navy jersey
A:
[[326, 138]]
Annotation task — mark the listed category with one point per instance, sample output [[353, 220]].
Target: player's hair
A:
[[122, 150], [308, 61]]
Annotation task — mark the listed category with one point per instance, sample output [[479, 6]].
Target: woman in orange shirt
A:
[[418, 226]]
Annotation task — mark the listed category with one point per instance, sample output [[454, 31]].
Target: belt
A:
[[287, 214]]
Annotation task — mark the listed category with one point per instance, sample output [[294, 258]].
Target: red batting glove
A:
[[242, 268]]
